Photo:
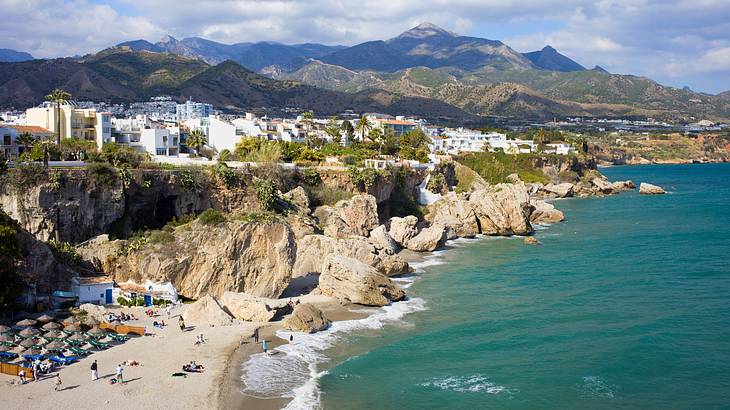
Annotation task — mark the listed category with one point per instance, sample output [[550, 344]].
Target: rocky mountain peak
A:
[[426, 29], [167, 39]]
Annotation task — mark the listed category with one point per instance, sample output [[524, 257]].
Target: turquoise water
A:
[[625, 305]]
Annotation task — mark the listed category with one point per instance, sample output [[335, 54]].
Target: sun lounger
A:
[[79, 352], [8, 355], [33, 357], [118, 338], [98, 345], [63, 360]]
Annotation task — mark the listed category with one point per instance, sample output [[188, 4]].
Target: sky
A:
[[678, 43]]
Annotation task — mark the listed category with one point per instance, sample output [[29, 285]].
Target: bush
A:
[[65, 252], [262, 217], [437, 183], [188, 180], [224, 174], [266, 193], [161, 237], [118, 155], [102, 173], [325, 195], [25, 176], [364, 178], [182, 220], [211, 217], [121, 301], [311, 177], [494, 167]]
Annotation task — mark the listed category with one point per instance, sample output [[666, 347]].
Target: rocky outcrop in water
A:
[[545, 213], [428, 239], [350, 280], [252, 257], [649, 189], [503, 210], [313, 249], [455, 213], [306, 318]]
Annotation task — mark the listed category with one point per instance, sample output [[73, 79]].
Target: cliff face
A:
[[78, 207], [252, 257]]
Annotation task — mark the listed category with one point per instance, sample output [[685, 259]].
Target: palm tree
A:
[[195, 140], [25, 140], [59, 97], [307, 120], [363, 126]]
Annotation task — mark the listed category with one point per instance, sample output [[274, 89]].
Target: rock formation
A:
[[402, 229], [206, 311], [544, 212], [313, 249], [250, 308], [563, 190], [356, 216], [649, 189], [353, 281], [428, 239], [456, 214], [252, 257], [306, 318], [503, 210]]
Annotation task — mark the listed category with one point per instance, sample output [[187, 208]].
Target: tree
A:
[[414, 145], [307, 121], [59, 97], [196, 139], [377, 136], [25, 140], [348, 129], [76, 148], [333, 130], [363, 126]]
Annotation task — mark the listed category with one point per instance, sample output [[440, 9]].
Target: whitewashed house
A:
[[93, 289]]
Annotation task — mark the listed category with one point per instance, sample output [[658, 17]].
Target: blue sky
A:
[[680, 42]]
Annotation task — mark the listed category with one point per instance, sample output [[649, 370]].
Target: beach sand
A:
[[148, 386], [151, 385]]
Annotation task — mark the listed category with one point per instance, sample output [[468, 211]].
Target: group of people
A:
[[199, 339], [122, 317], [193, 367]]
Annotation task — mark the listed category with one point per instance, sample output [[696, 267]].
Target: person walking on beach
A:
[[256, 336], [58, 382], [264, 345], [167, 310], [94, 371], [120, 374]]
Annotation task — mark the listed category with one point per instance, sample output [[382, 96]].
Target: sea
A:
[[625, 304]]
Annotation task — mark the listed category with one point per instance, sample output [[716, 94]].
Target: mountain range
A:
[[10, 56], [426, 71]]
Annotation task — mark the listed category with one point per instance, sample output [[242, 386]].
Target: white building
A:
[[93, 289], [75, 122], [142, 134], [219, 133], [191, 109]]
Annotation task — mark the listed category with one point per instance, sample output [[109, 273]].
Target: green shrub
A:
[[437, 183], [326, 195], [363, 178], [121, 301], [262, 217], [494, 167], [182, 220], [119, 155], [188, 180], [225, 175], [311, 177], [102, 173], [211, 217], [25, 176], [65, 252], [266, 193], [161, 237]]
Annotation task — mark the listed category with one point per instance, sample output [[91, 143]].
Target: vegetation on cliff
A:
[[9, 257]]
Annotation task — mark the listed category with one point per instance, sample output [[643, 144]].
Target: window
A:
[[101, 295], [161, 151]]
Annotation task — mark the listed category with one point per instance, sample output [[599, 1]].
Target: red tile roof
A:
[[33, 129]]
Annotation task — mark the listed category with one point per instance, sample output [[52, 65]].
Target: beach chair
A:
[[79, 351], [33, 357], [99, 345], [118, 338], [63, 360], [5, 356]]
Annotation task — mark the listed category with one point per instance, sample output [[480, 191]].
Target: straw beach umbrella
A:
[[54, 334], [4, 348], [4, 329], [72, 328], [29, 332], [76, 337], [27, 343], [70, 320], [32, 352], [26, 322], [91, 322], [45, 318], [19, 349], [51, 326], [6, 338], [55, 346]]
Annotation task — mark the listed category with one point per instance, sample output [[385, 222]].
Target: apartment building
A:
[[191, 109], [79, 123]]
